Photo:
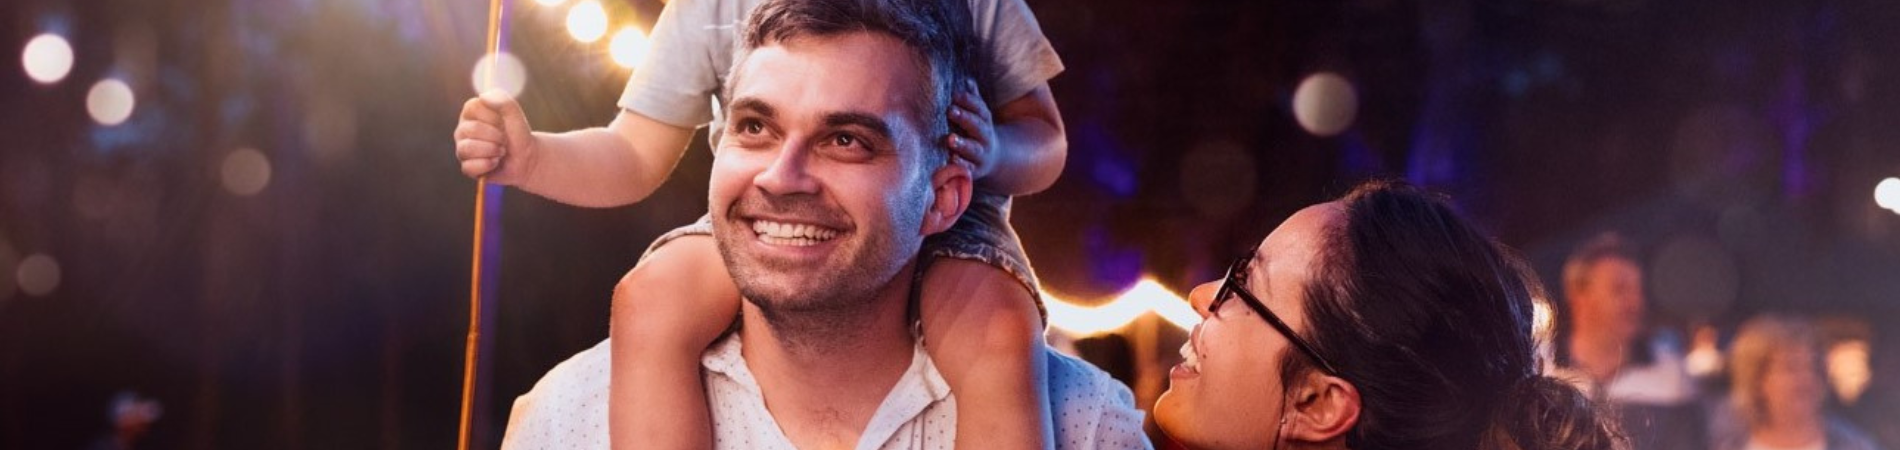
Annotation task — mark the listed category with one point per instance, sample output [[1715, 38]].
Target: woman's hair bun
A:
[[1544, 413]]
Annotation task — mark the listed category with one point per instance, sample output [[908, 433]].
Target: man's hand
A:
[[493, 139], [973, 136]]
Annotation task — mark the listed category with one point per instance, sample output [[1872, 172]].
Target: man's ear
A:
[[1323, 409], [950, 195]]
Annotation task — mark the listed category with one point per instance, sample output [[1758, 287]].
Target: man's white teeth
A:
[[1189, 358], [792, 234]]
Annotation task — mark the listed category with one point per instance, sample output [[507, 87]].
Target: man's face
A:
[[818, 192], [1611, 297]]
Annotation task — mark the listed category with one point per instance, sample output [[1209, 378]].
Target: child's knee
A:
[[982, 304], [671, 298]]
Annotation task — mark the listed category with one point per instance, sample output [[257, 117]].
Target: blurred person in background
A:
[[1778, 393], [132, 416], [1612, 357]]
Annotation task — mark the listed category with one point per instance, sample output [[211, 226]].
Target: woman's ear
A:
[[1322, 409], [950, 191]]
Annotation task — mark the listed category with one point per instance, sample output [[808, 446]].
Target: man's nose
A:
[[1202, 296], [788, 172]]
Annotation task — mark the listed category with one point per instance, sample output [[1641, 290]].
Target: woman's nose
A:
[[1202, 296]]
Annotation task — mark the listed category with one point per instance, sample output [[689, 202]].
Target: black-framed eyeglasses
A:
[[1235, 285]]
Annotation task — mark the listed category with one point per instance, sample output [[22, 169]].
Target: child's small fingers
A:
[[470, 129], [966, 124], [970, 101], [468, 149], [965, 148], [478, 167], [981, 109], [503, 103], [476, 109]]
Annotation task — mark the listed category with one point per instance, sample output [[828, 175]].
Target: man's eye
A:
[[844, 140], [751, 127]]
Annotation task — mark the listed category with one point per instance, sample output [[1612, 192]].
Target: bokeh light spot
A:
[[245, 172], [110, 102], [550, 2], [629, 46], [37, 275], [509, 75], [1325, 104], [47, 58], [587, 21], [1848, 370], [1705, 356], [1887, 194]]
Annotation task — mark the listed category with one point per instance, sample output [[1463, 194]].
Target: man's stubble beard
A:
[[834, 299]]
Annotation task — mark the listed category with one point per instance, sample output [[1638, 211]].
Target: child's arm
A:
[[667, 310], [983, 331], [596, 167], [1025, 151]]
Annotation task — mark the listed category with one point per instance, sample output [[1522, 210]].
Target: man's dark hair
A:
[[941, 33], [1431, 321], [1604, 246]]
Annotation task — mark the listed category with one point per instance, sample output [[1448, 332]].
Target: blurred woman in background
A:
[[1778, 392]]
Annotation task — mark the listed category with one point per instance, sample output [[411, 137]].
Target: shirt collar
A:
[[921, 387]]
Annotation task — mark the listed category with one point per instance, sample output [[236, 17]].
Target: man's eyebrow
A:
[[874, 123], [753, 105]]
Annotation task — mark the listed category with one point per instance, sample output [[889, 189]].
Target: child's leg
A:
[[666, 311], [983, 327], [987, 336]]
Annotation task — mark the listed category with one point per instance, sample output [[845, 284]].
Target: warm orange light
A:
[[1147, 296]]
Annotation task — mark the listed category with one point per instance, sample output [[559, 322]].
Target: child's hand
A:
[[493, 139], [973, 134]]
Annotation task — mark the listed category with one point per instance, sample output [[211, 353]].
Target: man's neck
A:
[[824, 378], [1599, 355]]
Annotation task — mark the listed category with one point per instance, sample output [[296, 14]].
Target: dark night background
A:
[[1739, 142]]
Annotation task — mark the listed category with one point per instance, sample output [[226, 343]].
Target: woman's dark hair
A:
[[1431, 321]]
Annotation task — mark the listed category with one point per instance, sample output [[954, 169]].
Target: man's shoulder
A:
[[1071, 375], [1091, 408], [567, 409]]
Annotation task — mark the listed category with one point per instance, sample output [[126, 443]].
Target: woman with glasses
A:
[[1383, 320]]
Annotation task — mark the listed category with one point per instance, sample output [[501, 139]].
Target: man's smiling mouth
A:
[[792, 234]]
